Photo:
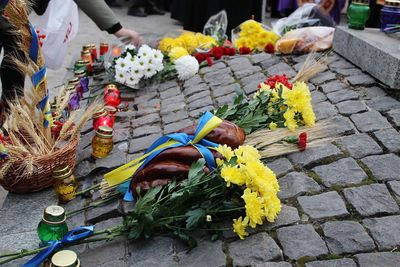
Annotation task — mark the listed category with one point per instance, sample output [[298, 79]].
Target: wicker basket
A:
[[41, 178]]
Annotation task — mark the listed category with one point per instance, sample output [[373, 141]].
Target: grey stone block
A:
[[195, 89], [323, 77], [198, 112], [83, 168], [247, 71], [148, 119], [257, 77], [342, 95], [259, 57], [174, 91], [239, 63], [351, 107], [273, 264], [324, 110], [115, 159], [281, 68], [199, 103], [384, 103], [296, 183], [146, 130], [324, 205], [341, 64], [370, 121], [142, 143], [371, 92], [389, 138], [113, 251], [174, 116], [345, 262], [196, 257], [349, 72], [300, 241], [176, 126], [384, 167], [198, 96], [220, 77], [109, 210], [317, 97], [340, 126], [395, 187], [267, 63], [394, 117], [342, 172], [360, 79], [214, 67], [381, 259], [193, 81], [225, 90], [166, 85], [225, 100], [359, 145], [332, 87], [280, 166], [371, 199], [173, 100], [314, 155], [385, 231], [344, 237], [354, 45], [254, 249], [288, 215]]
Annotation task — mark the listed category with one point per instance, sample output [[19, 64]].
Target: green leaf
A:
[[186, 238], [195, 217], [196, 170]]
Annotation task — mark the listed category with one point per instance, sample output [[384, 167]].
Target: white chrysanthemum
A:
[[136, 73], [121, 64], [187, 67], [158, 56], [150, 71], [120, 76], [159, 66], [132, 80], [140, 62], [145, 51], [130, 47]]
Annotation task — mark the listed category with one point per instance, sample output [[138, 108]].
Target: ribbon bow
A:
[[207, 123], [70, 237]]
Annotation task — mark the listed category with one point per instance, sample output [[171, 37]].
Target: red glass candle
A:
[[103, 48], [112, 96], [101, 118], [111, 111]]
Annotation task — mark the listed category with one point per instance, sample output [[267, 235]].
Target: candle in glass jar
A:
[[101, 118], [102, 142]]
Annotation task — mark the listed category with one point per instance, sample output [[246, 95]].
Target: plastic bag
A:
[[305, 40], [60, 24], [305, 16], [216, 26]]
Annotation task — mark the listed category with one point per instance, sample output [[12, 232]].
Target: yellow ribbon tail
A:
[[213, 123]]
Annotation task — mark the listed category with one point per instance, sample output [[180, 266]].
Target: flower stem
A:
[[91, 205], [87, 190]]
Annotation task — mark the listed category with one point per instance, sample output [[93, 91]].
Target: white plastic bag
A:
[[60, 24]]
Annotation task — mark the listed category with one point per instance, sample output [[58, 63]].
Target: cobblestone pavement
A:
[[340, 200]]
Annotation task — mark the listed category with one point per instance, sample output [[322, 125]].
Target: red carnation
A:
[[244, 50], [269, 48], [217, 52], [209, 61], [271, 81], [200, 57], [231, 51], [302, 143]]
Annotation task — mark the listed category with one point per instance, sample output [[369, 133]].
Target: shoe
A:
[[137, 12], [154, 11], [112, 3]]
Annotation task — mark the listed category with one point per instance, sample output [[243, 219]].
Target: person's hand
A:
[[135, 38]]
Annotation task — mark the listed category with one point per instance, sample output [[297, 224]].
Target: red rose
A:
[[244, 50], [302, 143], [269, 48], [209, 61], [217, 52], [200, 57]]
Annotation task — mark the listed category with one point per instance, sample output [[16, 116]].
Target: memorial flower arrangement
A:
[[135, 65], [189, 41], [252, 35]]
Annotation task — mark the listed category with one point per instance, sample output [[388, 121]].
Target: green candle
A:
[[52, 227], [358, 14]]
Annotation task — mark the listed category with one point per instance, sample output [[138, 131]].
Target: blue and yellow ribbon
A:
[[38, 78], [207, 123], [71, 237]]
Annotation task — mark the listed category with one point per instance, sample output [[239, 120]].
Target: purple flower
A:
[[84, 83], [74, 101]]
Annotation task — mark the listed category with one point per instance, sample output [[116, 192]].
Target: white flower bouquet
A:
[[135, 65]]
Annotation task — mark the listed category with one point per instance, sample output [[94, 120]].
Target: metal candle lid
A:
[[361, 2], [79, 73], [110, 109], [62, 173], [65, 258], [104, 131], [73, 81], [54, 214], [392, 3], [103, 44], [102, 112]]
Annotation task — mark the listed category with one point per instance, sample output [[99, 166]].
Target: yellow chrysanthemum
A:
[[272, 126], [260, 178], [246, 154], [272, 206], [225, 151], [189, 41], [239, 227], [254, 207], [166, 44], [290, 121], [177, 52], [233, 174]]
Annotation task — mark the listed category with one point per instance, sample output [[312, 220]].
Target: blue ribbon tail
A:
[[42, 256], [128, 195], [72, 236]]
